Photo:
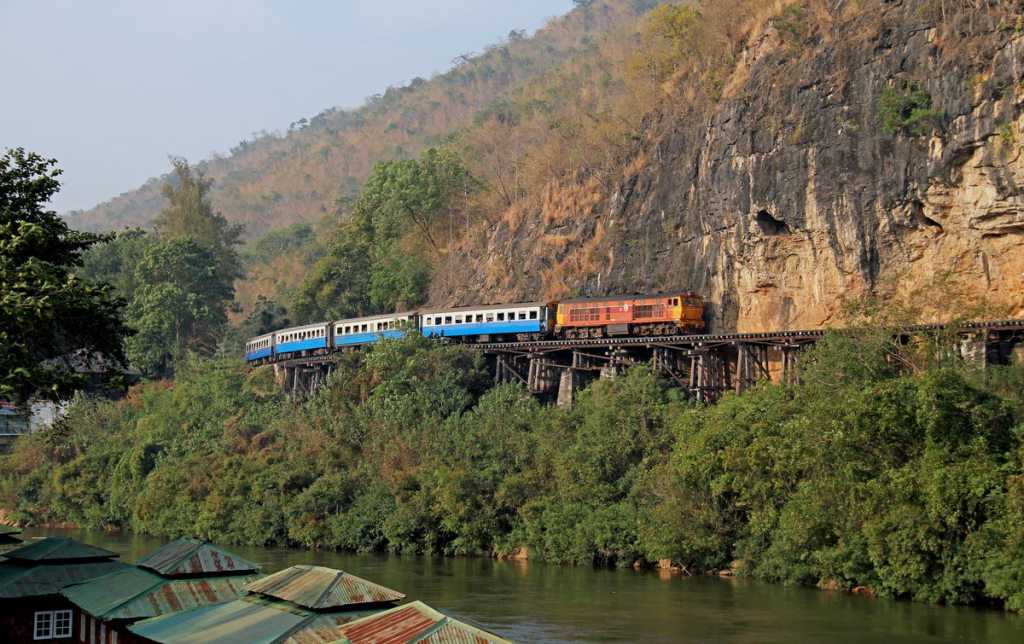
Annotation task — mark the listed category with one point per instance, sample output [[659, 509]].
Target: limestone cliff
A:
[[786, 196]]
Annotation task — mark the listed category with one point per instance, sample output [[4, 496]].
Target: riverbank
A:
[[864, 476]]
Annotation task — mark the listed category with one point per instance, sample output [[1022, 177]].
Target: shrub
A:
[[906, 109]]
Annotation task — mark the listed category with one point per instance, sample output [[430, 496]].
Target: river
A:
[[535, 602]]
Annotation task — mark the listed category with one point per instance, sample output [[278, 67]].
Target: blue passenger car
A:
[[487, 323], [360, 331], [302, 340], [259, 349]]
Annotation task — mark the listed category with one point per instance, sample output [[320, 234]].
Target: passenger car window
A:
[[501, 317]]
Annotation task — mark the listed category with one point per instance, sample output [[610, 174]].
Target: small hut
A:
[[182, 575], [410, 623], [298, 605], [32, 608]]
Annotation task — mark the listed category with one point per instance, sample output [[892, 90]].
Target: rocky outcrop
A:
[[787, 197]]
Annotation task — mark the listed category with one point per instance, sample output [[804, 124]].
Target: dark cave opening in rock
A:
[[771, 225], [917, 209]]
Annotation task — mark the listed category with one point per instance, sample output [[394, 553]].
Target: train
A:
[[659, 314]]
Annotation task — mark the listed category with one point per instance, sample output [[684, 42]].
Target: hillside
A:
[[277, 180], [810, 154], [829, 152]]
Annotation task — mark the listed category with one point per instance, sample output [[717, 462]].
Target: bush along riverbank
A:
[[906, 481]]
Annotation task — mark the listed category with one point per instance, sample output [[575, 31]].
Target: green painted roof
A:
[[57, 549], [194, 557], [133, 593], [7, 529], [320, 588], [27, 579], [253, 620]]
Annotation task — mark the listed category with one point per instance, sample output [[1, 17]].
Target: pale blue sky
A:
[[111, 88]]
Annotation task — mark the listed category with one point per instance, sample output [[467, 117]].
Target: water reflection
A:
[[534, 602]]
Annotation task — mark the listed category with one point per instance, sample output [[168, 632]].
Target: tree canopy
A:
[[179, 304], [178, 280], [47, 313], [380, 258], [189, 214]]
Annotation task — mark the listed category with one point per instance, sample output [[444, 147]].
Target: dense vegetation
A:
[[865, 475]]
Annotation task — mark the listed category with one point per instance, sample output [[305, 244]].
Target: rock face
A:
[[787, 197]]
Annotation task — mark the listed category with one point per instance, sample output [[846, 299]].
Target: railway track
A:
[[719, 338]]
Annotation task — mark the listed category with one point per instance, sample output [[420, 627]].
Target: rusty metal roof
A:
[[252, 620], [323, 628], [133, 593], [28, 579], [320, 588], [414, 622], [195, 557], [55, 549]]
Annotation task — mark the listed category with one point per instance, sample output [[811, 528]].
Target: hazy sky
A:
[[110, 89]]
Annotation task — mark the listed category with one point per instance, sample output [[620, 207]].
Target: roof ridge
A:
[[195, 544], [338, 574]]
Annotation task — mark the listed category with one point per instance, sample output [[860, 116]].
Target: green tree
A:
[[179, 304], [381, 256], [114, 260], [339, 284], [47, 313], [267, 315], [189, 214]]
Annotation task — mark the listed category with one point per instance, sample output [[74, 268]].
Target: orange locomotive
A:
[[665, 314]]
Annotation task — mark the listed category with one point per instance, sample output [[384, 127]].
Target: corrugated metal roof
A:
[[195, 557], [324, 628], [242, 621], [253, 620], [53, 549], [134, 593], [414, 622], [322, 588], [103, 594], [19, 579]]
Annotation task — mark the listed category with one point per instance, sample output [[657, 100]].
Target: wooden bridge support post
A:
[[567, 384], [791, 364], [973, 349]]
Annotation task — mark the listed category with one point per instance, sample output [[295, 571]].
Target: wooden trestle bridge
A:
[[705, 366]]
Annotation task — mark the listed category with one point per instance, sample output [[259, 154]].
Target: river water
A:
[[535, 602]]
